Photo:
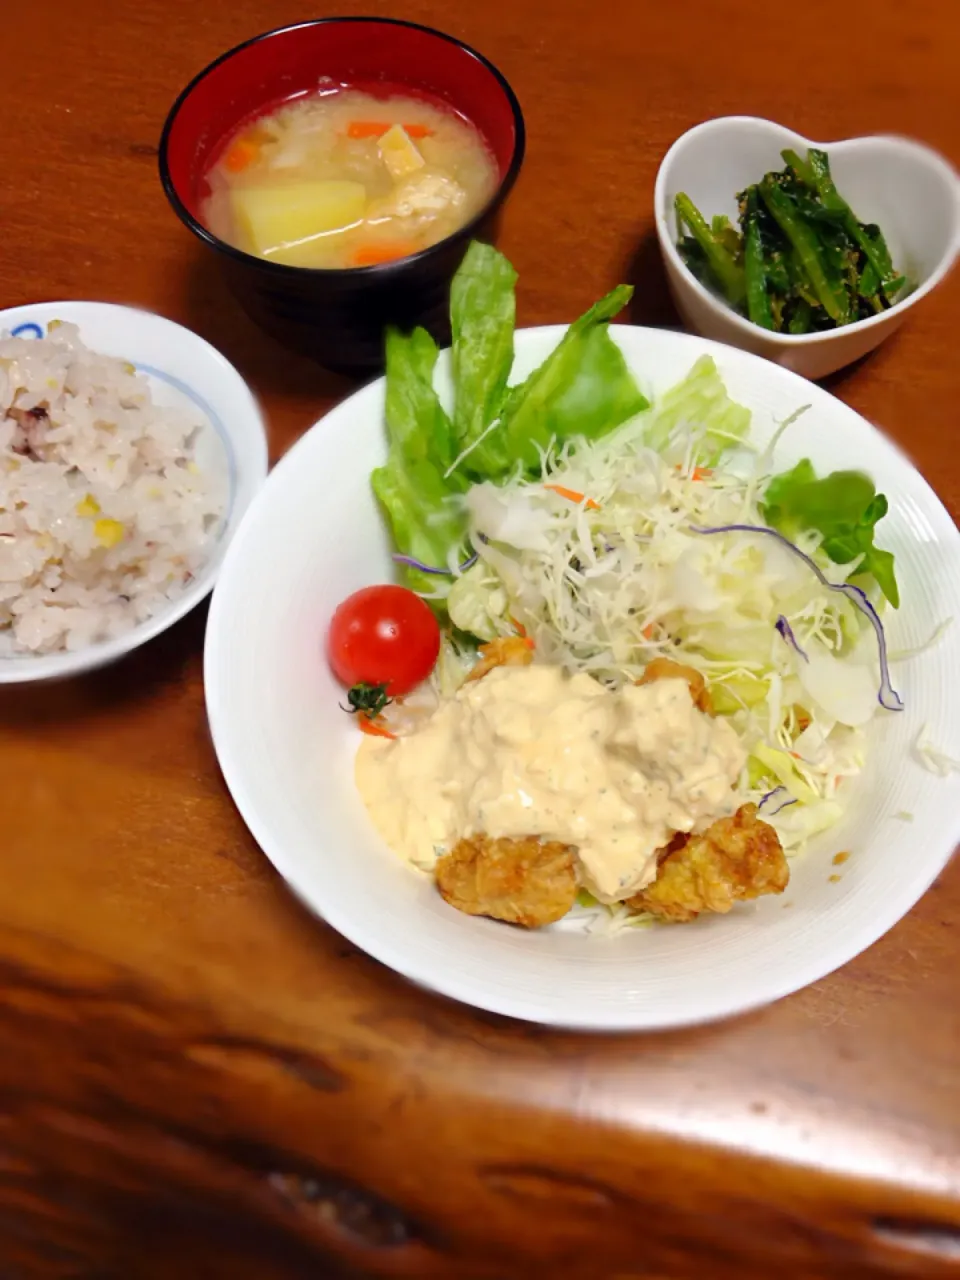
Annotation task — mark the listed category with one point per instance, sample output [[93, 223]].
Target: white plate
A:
[[185, 372], [286, 749]]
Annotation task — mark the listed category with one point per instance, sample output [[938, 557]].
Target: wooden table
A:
[[197, 1078]]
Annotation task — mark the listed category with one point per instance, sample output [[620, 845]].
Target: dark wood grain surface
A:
[[198, 1079]]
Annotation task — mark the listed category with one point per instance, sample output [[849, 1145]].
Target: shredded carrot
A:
[[371, 255], [375, 727], [796, 755], [698, 473], [648, 631], [573, 496], [377, 128], [240, 154], [521, 631]]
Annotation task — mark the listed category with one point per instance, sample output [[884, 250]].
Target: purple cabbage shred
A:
[[786, 631], [777, 791], [412, 563]]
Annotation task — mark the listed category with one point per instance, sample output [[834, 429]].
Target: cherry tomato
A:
[[383, 635]]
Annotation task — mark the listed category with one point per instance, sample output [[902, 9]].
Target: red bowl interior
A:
[[366, 53]]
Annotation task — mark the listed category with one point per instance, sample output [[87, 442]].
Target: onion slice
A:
[[888, 697]]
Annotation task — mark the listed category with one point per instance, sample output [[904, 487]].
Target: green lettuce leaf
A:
[[411, 486], [583, 388], [700, 400], [482, 317], [844, 507], [417, 422]]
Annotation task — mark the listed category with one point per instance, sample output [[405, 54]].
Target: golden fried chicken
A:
[[667, 669], [522, 881], [505, 651], [734, 859]]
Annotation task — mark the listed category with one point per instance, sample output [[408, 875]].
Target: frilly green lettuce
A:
[[844, 507]]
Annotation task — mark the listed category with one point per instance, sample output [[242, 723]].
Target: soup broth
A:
[[348, 179]]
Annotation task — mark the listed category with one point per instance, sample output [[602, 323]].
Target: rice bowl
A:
[[105, 514], [129, 449]]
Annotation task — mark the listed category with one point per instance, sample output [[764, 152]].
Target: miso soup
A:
[[345, 178]]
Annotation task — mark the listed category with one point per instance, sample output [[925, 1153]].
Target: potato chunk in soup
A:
[[348, 179]]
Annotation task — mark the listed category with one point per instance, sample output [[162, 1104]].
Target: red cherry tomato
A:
[[383, 635]]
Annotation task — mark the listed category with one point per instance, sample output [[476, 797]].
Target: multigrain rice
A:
[[105, 515]]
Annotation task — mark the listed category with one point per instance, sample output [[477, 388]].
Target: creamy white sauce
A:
[[529, 751]]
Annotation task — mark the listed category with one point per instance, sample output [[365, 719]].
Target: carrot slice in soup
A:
[[366, 129], [240, 154], [370, 255], [377, 128]]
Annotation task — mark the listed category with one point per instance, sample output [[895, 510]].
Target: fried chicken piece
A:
[[522, 881], [734, 859], [505, 651], [667, 669]]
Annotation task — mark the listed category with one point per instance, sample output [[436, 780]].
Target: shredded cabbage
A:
[[598, 559], [931, 757], [477, 603]]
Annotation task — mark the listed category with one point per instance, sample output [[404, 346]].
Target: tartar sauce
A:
[[530, 751]]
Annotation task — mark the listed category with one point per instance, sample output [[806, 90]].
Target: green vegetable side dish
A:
[[582, 392], [801, 261]]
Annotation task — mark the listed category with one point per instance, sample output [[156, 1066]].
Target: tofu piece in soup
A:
[[399, 152]]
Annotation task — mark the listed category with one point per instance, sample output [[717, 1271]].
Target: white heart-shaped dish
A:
[[911, 192]]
